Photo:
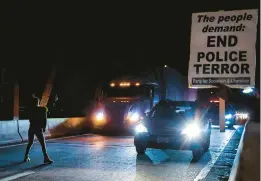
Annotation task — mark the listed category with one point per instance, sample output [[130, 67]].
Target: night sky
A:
[[99, 41]]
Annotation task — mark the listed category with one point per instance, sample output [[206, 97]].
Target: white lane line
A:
[[214, 156], [16, 176], [47, 140]]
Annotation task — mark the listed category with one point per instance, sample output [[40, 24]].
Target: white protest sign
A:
[[222, 49]]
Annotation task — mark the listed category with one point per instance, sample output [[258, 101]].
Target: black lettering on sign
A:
[[200, 56], [225, 56], [197, 67], [206, 69], [235, 18], [210, 57], [215, 69], [233, 28], [234, 68], [222, 41], [222, 68], [205, 18], [242, 56], [245, 68]]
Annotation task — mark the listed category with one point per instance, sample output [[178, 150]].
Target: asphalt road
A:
[[105, 158]]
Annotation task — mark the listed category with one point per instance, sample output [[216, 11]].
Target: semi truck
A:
[[124, 101]]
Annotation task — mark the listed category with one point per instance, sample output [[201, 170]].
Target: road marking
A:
[[214, 156], [8, 146], [16, 176]]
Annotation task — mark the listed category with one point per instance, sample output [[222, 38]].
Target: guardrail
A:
[[15, 131]]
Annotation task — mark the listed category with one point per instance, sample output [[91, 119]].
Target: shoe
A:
[[26, 158], [47, 160]]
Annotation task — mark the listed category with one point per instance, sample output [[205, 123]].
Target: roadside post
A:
[[16, 102], [222, 51]]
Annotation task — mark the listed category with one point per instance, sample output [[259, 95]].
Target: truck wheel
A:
[[197, 153], [140, 149]]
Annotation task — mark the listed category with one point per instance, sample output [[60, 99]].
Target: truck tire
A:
[[140, 149]]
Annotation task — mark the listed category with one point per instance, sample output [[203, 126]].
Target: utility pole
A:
[[48, 88]]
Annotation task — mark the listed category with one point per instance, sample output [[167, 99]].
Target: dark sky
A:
[[99, 40]]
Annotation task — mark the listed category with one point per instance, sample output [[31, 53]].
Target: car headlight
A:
[[242, 115], [140, 128], [191, 130], [228, 116], [227, 122], [134, 117]]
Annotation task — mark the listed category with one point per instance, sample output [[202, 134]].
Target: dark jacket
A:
[[38, 117]]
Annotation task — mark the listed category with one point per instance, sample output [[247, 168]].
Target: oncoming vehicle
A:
[[124, 101], [173, 125], [230, 114]]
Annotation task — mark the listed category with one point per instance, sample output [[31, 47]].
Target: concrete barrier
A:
[[234, 169], [56, 127], [247, 162], [9, 132]]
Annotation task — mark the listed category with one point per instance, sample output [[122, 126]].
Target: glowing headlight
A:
[[242, 115], [228, 116], [227, 122], [99, 116], [140, 128], [191, 130], [248, 90], [134, 117]]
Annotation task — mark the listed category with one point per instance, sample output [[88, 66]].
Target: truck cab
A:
[[124, 102]]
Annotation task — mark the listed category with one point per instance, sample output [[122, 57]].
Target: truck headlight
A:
[[191, 130], [140, 128], [135, 117], [228, 116], [99, 118]]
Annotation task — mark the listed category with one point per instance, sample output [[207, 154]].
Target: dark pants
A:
[[38, 132]]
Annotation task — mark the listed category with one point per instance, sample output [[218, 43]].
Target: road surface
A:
[[99, 158]]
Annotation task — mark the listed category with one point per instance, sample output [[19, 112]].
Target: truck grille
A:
[[116, 112]]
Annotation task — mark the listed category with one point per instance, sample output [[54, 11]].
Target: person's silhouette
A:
[[38, 121]]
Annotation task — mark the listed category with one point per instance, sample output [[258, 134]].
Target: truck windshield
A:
[[124, 92]]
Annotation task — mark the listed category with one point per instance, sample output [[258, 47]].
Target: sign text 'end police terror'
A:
[[222, 48], [237, 57]]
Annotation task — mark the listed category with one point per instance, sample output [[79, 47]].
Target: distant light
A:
[[165, 66], [248, 90], [214, 101], [112, 84], [228, 116], [124, 84], [137, 84]]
